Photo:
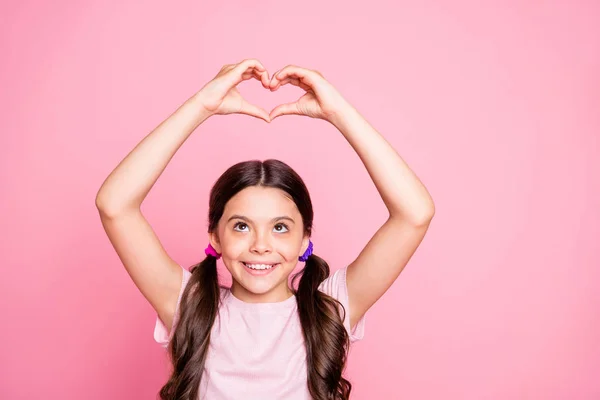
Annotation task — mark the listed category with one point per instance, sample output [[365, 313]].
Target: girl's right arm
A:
[[119, 199]]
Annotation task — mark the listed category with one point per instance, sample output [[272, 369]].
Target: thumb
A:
[[254, 111], [284, 109]]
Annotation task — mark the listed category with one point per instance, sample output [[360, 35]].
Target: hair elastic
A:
[[210, 251], [308, 252]]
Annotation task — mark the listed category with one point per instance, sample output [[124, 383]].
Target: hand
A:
[[321, 99], [220, 95]]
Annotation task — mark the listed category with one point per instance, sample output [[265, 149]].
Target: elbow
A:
[[415, 219], [102, 204], [424, 216], [104, 210], [429, 214], [109, 209], [424, 220]]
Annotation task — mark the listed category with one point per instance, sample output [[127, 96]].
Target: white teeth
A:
[[259, 266]]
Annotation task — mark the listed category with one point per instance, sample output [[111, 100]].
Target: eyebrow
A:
[[249, 220]]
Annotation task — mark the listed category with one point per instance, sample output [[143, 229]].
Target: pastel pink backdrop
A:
[[493, 104]]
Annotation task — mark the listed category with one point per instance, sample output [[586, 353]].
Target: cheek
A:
[[288, 248], [234, 246]]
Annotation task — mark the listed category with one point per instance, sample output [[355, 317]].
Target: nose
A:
[[261, 244]]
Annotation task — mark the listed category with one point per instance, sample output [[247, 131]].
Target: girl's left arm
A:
[[410, 207], [409, 204]]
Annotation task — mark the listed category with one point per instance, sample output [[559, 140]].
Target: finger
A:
[[273, 81], [255, 111], [284, 109], [249, 63], [262, 76], [265, 79], [304, 75], [292, 81], [235, 74]]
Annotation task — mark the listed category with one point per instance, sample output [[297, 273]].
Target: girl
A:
[[261, 338]]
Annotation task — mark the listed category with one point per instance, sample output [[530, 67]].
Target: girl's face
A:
[[260, 225]]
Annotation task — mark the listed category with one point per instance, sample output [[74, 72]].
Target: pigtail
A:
[[327, 341], [189, 344]]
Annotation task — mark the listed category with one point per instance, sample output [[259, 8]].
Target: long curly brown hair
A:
[[326, 339]]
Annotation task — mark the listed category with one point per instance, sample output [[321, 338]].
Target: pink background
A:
[[495, 106]]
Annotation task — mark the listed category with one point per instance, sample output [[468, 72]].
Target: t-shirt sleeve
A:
[[335, 286], [162, 335]]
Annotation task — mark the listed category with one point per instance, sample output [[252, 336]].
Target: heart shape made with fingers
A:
[[320, 100], [307, 104]]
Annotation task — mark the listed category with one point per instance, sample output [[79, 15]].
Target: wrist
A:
[[342, 115], [199, 102]]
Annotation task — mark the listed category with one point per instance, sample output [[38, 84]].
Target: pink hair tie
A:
[[210, 251]]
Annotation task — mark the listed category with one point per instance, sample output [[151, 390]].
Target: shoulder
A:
[[164, 332], [335, 284], [224, 291], [186, 277], [336, 287]]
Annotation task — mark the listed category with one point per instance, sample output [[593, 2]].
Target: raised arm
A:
[[119, 199], [410, 206]]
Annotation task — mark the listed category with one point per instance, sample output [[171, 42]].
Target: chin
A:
[[258, 288]]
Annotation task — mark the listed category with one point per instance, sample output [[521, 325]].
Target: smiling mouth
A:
[[260, 267]]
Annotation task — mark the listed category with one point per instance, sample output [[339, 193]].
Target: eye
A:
[[282, 226], [238, 225]]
